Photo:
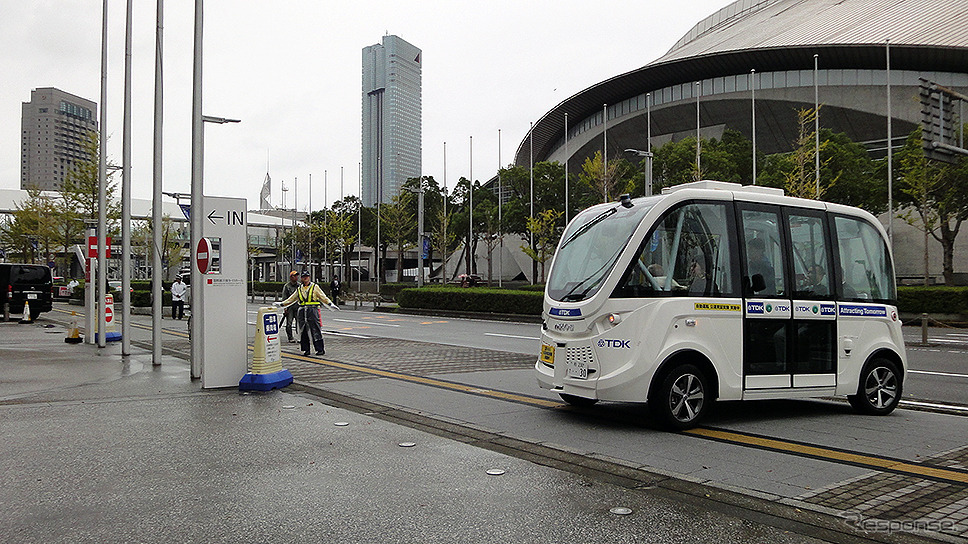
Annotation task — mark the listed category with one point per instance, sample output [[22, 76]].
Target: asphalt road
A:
[[938, 372]]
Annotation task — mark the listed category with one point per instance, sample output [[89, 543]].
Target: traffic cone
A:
[[26, 317], [73, 334]]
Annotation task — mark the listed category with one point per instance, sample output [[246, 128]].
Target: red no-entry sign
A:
[[203, 255]]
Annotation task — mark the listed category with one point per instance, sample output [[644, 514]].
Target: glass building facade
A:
[[391, 144]]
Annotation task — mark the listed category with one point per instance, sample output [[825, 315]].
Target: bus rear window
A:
[[29, 274]]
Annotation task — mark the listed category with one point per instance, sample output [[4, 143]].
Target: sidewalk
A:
[[97, 449]]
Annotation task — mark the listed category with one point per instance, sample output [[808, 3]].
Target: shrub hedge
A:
[[932, 299], [474, 299]]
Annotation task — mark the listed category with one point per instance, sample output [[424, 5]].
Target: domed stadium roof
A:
[[768, 24], [772, 35]]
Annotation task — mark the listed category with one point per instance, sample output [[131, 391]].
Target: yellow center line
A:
[[891, 465]]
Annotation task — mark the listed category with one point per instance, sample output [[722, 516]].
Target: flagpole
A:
[[312, 271], [753, 109], [816, 122], [890, 176], [500, 224]]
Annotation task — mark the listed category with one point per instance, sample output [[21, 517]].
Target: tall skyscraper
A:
[[54, 130], [391, 118]]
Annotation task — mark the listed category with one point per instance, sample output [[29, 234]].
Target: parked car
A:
[[26, 282]]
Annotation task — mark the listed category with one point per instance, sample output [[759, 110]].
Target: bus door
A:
[[768, 308], [789, 317], [814, 327]]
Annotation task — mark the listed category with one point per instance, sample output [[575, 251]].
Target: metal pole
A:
[[648, 174], [604, 153], [420, 234], [379, 201], [753, 109], [342, 209], [312, 272], [531, 186], [126, 193], [500, 217], [890, 152], [359, 232], [102, 228], [156, 220], [444, 229], [816, 122], [198, 148], [566, 169], [648, 139], [470, 224], [698, 138], [295, 200]]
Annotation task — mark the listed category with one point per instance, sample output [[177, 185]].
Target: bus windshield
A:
[[591, 245]]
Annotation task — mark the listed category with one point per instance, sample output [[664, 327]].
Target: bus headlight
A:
[[614, 319]]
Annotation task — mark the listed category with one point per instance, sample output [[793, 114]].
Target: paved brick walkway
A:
[[405, 356], [884, 498]]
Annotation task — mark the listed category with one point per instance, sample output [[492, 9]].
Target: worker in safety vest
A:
[[310, 297]]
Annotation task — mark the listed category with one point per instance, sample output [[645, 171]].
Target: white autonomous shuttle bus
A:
[[715, 290]]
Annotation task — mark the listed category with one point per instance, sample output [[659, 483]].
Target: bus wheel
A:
[[577, 401], [879, 389], [681, 400]]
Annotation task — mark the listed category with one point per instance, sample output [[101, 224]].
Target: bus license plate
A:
[[32, 296], [576, 369], [548, 354]]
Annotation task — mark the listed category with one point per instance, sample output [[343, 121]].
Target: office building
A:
[[391, 151], [55, 127]]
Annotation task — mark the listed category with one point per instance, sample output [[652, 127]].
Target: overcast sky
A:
[[291, 71]]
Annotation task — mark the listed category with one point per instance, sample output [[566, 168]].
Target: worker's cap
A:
[[294, 273], [305, 274]]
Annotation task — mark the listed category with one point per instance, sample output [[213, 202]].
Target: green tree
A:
[[398, 227], [80, 188], [938, 194], [546, 227], [607, 181]]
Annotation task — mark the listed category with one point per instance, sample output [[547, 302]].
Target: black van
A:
[[23, 282]]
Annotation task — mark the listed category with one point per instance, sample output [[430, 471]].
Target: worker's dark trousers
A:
[[309, 320]]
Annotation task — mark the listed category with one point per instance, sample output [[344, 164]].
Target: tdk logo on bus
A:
[[566, 312], [620, 344], [755, 308]]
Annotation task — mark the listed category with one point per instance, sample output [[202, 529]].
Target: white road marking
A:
[[932, 373], [366, 322], [511, 336], [934, 405]]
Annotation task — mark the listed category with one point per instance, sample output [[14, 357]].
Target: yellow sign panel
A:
[[548, 354], [719, 307]]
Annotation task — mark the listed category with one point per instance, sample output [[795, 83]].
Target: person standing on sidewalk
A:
[[178, 290], [335, 287], [310, 298], [289, 315]]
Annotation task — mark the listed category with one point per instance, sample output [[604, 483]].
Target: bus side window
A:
[[810, 256], [764, 276], [866, 270], [687, 253]]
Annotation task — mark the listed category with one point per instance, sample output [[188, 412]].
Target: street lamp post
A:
[[648, 168], [198, 193]]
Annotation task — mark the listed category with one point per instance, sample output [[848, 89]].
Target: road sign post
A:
[[220, 258]]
